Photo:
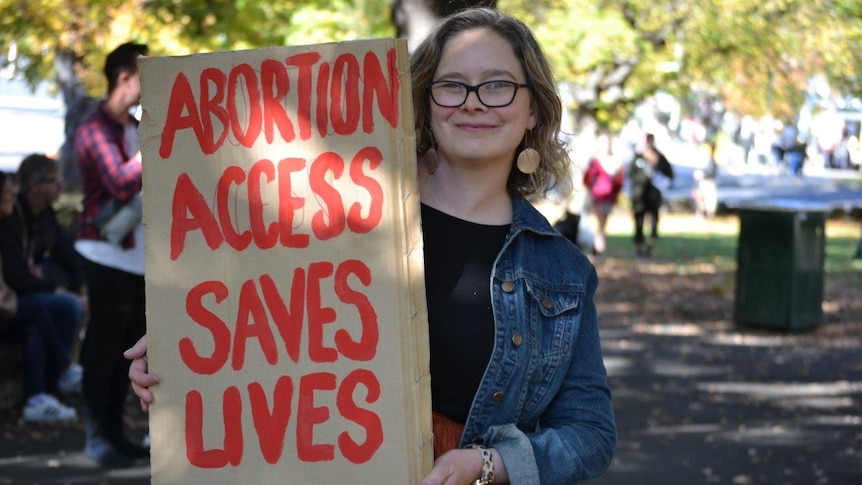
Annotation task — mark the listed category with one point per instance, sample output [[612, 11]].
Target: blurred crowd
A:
[[828, 140]]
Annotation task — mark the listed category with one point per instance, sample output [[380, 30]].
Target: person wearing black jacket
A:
[[646, 197], [39, 260]]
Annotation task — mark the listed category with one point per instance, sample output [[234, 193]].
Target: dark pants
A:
[[117, 321], [639, 225], [42, 350], [794, 161]]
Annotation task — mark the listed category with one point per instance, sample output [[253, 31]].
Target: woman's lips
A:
[[474, 126]]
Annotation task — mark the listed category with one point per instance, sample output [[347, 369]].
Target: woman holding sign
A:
[[518, 384]]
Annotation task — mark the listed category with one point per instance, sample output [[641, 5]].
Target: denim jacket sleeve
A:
[[544, 403]]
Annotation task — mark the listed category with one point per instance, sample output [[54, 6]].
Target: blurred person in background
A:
[[705, 193], [604, 180], [39, 259], [30, 321], [108, 152], [649, 170]]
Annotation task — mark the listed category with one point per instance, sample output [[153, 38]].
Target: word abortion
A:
[[246, 101]]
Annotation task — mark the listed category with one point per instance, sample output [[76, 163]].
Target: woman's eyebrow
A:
[[489, 73]]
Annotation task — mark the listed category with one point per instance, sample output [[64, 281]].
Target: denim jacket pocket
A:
[[555, 300], [555, 315]]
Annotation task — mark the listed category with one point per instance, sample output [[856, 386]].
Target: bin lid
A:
[[785, 204]]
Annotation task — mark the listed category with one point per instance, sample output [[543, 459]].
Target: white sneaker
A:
[[45, 407], [71, 379]]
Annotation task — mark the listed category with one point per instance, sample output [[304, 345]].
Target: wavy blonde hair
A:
[[546, 104]]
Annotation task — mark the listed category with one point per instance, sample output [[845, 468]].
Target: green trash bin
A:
[[779, 274]]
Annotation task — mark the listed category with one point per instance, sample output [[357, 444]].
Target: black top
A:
[[459, 256], [28, 240], [643, 194]]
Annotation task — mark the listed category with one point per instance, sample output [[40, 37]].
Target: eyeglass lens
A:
[[493, 94]]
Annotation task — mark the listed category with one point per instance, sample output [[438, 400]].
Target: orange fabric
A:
[[447, 433]]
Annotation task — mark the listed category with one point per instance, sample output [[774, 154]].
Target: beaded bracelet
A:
[[487, 465]]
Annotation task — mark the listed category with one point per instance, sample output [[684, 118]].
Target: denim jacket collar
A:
[[526, 218]]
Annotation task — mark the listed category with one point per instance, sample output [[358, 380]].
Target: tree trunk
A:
[[414, 19], [78, 105]]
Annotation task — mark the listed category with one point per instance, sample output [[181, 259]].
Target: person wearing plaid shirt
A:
[[107, 148]]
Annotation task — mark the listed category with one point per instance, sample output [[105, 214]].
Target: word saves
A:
[[305, 306]]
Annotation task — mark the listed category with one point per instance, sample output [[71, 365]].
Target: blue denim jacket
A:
[[544, 403]]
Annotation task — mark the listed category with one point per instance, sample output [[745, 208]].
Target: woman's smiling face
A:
[[473, 132]]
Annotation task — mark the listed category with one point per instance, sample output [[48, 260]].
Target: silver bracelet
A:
[[487, 477]]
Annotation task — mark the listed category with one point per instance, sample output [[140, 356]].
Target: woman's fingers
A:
[[138, 350], [139, 373]]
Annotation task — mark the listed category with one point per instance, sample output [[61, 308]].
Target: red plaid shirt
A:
[[108, 171]]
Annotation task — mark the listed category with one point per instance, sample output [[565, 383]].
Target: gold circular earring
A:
[[430, 159], [529, 159]]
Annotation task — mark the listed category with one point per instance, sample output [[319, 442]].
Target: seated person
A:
[[39, 260], [30, 322]]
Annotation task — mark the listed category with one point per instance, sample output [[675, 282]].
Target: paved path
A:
[[53, 453], [701, 405]]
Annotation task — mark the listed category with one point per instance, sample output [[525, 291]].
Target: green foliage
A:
[[340, 21], [245, 24], [755, 55], [38, 31]]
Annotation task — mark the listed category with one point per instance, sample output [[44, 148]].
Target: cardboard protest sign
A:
[[285, 293]]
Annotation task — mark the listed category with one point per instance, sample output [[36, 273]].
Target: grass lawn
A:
[[696, 244], [692, 275]]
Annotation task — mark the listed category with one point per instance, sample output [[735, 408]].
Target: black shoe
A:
[[132, 450]]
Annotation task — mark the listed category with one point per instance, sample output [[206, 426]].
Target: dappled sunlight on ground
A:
[[701, 400], [682, 329], [782, 389]]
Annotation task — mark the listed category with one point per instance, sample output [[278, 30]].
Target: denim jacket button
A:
[[508, 286], [517, 339], [547, 303], [497, 397]]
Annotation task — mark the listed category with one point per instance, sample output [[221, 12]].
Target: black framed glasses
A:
[[493, 94]]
